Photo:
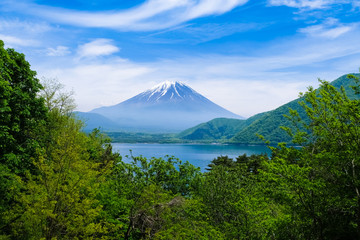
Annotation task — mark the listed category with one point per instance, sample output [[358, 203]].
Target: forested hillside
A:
[[269, 126], [57, 182]]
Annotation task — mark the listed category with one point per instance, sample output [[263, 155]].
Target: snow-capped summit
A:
[[166, 88], [167, 92], [165, 85], [167, 107]]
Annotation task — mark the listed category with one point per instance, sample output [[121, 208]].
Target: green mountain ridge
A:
[[218, 129]]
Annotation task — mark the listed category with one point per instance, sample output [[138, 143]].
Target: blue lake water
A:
[[200, 155]]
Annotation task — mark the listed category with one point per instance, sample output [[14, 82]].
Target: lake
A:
[[199, 155]]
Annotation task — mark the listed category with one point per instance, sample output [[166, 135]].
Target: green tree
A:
[[319, 183], [187, 219], [233, 195], [130, 183], [221, 161], [171, 174], [22, 117], [59, 199], [22, 112]]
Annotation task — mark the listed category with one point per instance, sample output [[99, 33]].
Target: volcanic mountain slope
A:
[[167, 107]]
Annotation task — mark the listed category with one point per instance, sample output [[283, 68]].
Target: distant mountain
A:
[[94, 120], [167, 107]]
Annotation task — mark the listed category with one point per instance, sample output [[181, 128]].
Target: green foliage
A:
[[22, 113], [11, 187], [319, 183], [22, 117], [148, 213], [188, 220], [171, 174], [60, 200], [133, 190], [221, 161], [232, 195], [51, 171]]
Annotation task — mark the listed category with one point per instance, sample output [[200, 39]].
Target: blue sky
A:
[[248, 56]]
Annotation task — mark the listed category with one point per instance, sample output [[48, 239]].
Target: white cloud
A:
[[98, 47], [16, 33], [331, 28], [58, 51], [27, 27], [151, 15], [335, 32], [309, 4], [209, 7], [11, 41], [98, 83]]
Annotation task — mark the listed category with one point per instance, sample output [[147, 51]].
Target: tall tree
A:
[[59, 201], [232, 194], [22, 117], [22, 112]]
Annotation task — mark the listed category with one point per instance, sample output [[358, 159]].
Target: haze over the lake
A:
[[248, 56]]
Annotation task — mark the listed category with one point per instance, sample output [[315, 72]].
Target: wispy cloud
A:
[[201, 33], [201, 8], [330, 28], [97, 47], [58, 51], [28, 27], [309, 4], [11, 41], [17, 33], [151, 15]]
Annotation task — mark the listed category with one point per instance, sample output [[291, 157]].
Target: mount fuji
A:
[[167, 107]]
